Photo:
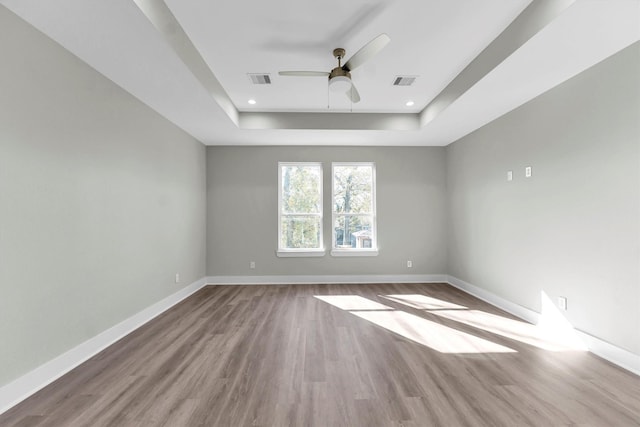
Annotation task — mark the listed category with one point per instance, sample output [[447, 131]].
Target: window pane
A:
[[301, 189], [300, 232], [352, 189], [353, 231]]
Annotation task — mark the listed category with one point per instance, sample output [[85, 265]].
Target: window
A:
[[354, 209], [300, 209]]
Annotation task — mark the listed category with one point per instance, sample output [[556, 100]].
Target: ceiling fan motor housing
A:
[[339, 72]]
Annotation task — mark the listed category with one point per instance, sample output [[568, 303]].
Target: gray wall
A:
[[242, 210], [102, 201], [573, 228]]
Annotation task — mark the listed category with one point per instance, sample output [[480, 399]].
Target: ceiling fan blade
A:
[[304, 73], [367, 52], [353, 94]]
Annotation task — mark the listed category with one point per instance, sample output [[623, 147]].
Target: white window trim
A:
[[354, 252], [295, 253], [305, 252], [359, 252]]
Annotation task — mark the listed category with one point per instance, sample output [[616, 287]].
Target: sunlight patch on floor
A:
[[420, 330], [434, 335], [509, 328], [352, 302], [552, 333], [423, 302]]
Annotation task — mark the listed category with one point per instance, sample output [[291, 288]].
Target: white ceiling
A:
[[432, 39]]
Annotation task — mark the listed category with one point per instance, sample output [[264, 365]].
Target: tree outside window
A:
[[300, 206], [354, 227]]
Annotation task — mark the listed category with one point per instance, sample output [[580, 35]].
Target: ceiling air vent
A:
[[260, 79], [404, 80]]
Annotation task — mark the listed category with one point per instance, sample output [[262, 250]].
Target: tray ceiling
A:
[[467, 75]]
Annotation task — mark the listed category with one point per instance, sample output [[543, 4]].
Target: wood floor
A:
[[336, 355]]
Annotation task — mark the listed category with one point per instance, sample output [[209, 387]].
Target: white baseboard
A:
[[16, 391], [616, 355], [319, 279], [508, 306]]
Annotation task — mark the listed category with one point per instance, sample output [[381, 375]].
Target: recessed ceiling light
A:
[[409, 103], [252, 101]]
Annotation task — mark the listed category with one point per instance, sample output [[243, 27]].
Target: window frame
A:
[[300, 252], [373, 251]]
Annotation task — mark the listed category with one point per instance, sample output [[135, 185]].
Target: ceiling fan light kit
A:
[[340, 83]]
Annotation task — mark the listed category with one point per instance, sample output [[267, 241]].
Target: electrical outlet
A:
[[409, 264], [562, 303], [527, 172], [509, 175], [177, 277], [252, 264]]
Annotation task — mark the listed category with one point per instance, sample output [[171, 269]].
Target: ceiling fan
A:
[[340, 77]]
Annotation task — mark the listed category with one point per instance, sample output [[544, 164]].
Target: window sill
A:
[[356, 252], [302, 254]]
